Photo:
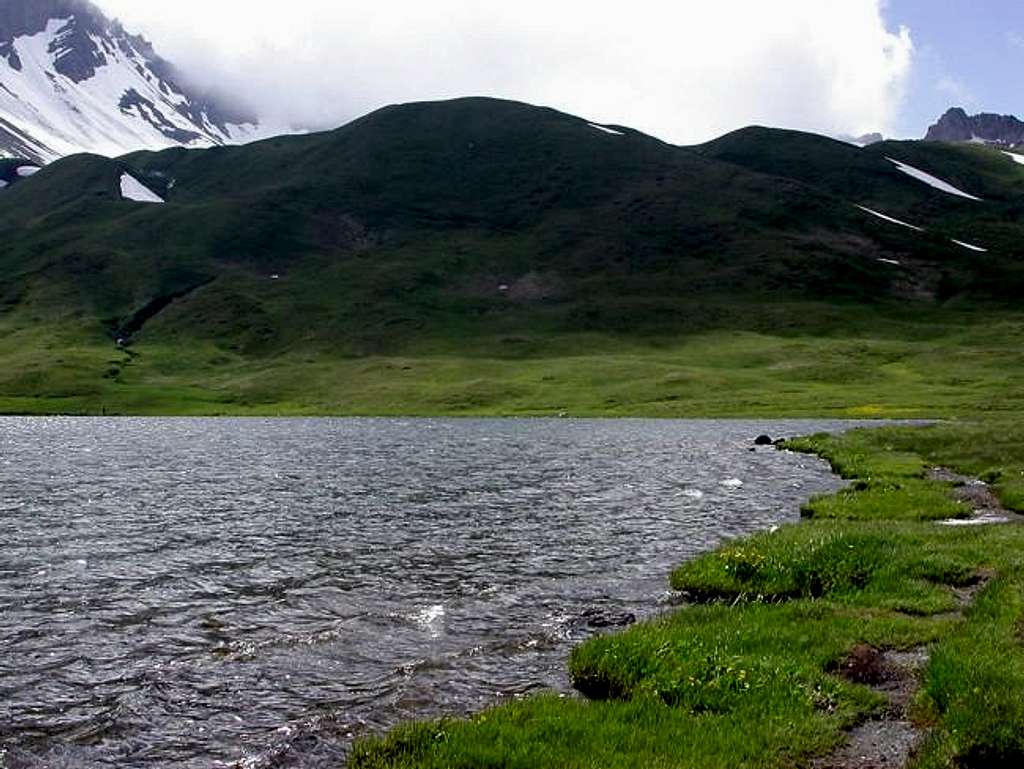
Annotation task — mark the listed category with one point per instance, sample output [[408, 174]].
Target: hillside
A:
[[480, 240]]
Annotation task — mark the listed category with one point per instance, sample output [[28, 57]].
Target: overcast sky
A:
[[684, 70]]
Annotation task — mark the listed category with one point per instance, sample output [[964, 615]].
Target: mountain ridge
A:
[[983, 128]]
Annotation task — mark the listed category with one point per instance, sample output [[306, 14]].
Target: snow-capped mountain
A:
[[72, 80]]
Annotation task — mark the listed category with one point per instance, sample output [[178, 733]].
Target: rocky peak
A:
[[957, 126], [109, 92], [29, 17]]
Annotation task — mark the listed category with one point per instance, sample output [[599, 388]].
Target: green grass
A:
[[973, 685], [992, 450], [903, 568], [798, 359], [574, 734], [359, 272], [888, 498], [721, 658], [747, 676]]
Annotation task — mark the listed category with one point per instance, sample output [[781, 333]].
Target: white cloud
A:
[[957, 90], [686, 71], [1015, 39]]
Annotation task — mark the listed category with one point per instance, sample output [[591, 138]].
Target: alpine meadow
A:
[[481, 257], [483, 433]]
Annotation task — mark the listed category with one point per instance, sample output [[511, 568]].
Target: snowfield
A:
[[930, 180], [1016, 158], [133, 189], [890, 219], [606, 130], [971, 247]]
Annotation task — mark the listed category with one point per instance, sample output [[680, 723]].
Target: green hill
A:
[[481, 256]]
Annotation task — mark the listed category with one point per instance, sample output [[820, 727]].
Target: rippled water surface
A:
[[197, 593]]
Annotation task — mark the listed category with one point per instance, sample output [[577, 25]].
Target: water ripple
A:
[[254, 593]]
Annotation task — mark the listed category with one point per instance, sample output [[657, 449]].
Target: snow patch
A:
[[1016, 158], [2, 184], [971, 247], [890, 219], [133, 189], [981, 520], [24, 171], [930, 180], [606, 130], [895, 262]]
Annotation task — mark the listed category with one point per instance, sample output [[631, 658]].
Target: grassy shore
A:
[[746, 675]]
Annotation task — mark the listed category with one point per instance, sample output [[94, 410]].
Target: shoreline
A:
[[778, 616]]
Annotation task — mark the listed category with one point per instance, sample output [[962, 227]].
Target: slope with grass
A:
[[488, 257]]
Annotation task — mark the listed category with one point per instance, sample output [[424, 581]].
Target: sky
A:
[[685, 71], [966, 54]]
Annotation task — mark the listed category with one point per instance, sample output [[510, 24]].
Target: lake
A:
[[254, 593]]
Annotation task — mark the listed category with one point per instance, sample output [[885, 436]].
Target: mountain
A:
[[291, 269], [957, 126], [863, 140], [72, 80]]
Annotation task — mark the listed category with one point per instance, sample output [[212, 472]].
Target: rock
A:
[[601, 618], [864, 665], [763, 440], [871, 138], [957, 126]]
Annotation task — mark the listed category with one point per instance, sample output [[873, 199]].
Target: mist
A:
[[685, 72]]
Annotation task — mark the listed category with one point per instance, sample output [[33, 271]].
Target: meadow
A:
[[723, 359]]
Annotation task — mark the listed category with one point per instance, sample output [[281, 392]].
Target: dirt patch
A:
[[888, 740], [864, 665], [531, 288], [966, 594], [875, 745], [985, 505]]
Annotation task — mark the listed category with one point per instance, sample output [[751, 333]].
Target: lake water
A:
[[253, 593]]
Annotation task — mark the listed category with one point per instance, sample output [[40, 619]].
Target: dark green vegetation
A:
[[748, 674], [486, 257]]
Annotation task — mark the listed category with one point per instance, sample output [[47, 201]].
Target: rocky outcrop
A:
[[957, 126]]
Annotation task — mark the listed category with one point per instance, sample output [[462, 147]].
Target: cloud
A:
[[959, 91], [685, 71], [1015, 40]]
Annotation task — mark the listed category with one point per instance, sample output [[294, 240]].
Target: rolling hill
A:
[[483, 239]]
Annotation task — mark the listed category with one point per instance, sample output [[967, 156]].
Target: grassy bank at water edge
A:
[[750, 672]]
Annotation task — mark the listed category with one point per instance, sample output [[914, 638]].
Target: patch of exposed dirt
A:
[[985, 505], [533, 287], [888, 740]]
